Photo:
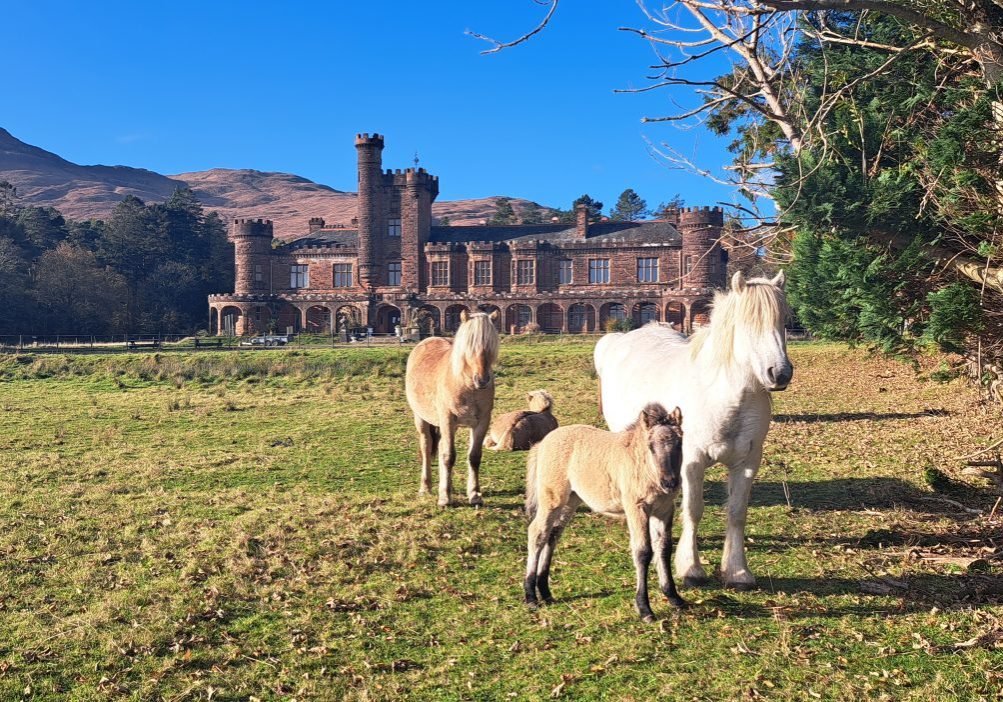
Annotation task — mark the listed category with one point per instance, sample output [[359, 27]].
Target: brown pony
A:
[[450, 384], [634, 473], [518, 431]]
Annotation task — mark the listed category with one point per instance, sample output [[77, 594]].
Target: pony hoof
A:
[[532, 605], [741, 586], [695, 580], [476, 500], [648, 618], [678, 602], [444, 502]]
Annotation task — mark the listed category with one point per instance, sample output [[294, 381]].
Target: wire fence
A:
[[124, 343]]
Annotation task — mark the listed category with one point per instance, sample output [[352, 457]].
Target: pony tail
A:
[[531, 494]]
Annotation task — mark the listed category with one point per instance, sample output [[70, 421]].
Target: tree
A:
[[667, 209], [75, 294], [594, 206], [504, 214], [443, 222], [532, 214], [629, 207]]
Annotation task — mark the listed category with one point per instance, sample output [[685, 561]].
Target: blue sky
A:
[[186, 86]]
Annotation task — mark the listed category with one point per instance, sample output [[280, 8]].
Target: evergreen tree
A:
[[629, 207], [595, 207], [665, 209], [443, 222], [504, 213], [533, 214]]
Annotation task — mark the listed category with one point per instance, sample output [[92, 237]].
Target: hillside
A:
[[81, 192]]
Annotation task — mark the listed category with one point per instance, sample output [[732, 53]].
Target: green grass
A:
[[237, 525]]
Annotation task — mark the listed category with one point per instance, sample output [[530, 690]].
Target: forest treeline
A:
[[147, 269]]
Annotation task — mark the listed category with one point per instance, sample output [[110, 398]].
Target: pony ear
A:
[[464, 314], [494, 314], [676, 417], [652, 415], [738, 282], [780, 280]]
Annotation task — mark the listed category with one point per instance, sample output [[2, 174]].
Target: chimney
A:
[[316, 223], [581, 221]]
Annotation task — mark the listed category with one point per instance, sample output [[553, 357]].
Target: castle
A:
[[392, 266]]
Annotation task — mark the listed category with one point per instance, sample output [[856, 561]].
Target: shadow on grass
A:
[[813, 418], [842, 494]]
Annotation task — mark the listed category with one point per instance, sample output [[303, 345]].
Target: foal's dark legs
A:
[[640, 547], [564, 515], [661, 537]]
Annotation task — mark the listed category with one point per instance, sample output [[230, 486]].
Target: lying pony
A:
[[518, 431]]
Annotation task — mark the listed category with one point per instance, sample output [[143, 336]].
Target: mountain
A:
[[83, 192]]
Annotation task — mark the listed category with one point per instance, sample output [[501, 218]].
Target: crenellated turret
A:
[[370, 152], [700, 228], [252, 240]]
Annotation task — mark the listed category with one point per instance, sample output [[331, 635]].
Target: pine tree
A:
[[532, 214], [665, 209], [629, 207], [595, 206], [504, 214]]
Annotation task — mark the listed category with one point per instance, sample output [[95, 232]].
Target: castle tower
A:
[[420, 190], [370, 211], [252, 239], [700, 229]]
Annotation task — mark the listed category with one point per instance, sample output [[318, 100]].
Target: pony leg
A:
[[687, 553], [474, 464], [564, 516], [640, 547], [734, 568], [661, 540], [447, 457], [538, 533], [426, 447]]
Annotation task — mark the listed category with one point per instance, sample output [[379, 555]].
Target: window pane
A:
[[482, 272], [647, 270], [394, 227], [525, 272], [342, 275], [394, 274], [440, 272], [599, 270], [566, 272]]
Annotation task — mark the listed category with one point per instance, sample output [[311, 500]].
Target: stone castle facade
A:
[[392, 266]]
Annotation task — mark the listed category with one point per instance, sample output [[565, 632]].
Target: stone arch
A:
[[488, 309], [427, 319], [644, 312], [581, 318], [318, 319], [213, 321], [289, 317], [675, 314], [347, 317], [700, 314], [612, 312], [387, 318], [550, 317], [517, 317], [230, 322], [452, 320]]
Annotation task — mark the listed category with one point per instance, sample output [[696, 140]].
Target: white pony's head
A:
[[475, 348], [747, 330]]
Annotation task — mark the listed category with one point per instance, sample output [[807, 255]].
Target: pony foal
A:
[[634, 473], [518, 431], [450, 385]]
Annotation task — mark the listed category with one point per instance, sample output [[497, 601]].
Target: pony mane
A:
[[761, 307], [475, 336]]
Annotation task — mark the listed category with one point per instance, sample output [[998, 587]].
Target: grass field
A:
[[244, 525]]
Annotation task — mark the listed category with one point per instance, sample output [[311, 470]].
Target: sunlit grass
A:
[[233, 524]]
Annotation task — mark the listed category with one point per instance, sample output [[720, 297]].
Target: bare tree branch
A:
[[498, 45]]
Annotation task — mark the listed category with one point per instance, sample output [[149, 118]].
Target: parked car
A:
[[266, 341]]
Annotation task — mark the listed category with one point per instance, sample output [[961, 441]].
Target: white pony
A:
[[721, 379]]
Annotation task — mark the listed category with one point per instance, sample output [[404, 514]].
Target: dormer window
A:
[[394, 227]]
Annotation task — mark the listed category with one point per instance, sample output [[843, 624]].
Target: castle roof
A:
[[648, 232]]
